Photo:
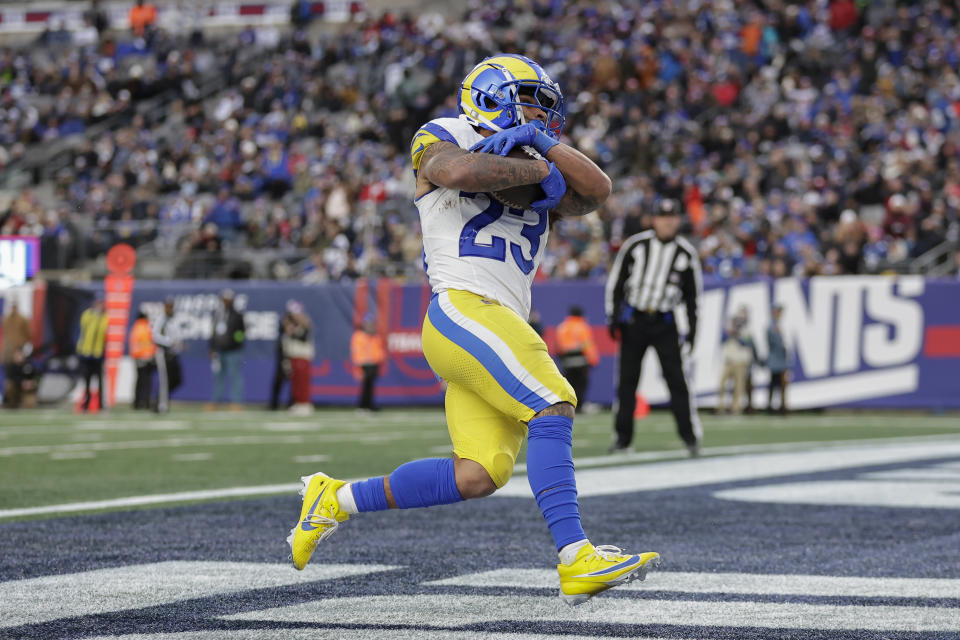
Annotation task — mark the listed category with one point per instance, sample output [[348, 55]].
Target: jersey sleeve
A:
[[425, 136]]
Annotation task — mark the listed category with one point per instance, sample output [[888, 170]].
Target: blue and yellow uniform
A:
[[498, 373], [481, 257], [475, 334]]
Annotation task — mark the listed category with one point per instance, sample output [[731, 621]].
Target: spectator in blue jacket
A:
[[225, 213]]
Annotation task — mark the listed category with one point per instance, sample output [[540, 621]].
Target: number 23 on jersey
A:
[[497, 249]]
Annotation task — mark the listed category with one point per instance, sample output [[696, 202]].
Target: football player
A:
[[502, 385]]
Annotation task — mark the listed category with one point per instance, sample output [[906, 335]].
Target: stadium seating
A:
[[802, 139]]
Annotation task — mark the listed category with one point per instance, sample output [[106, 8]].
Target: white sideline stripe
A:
[[684, 473], [745, 583], [610, 460], [501, 348], [460, 610], [353, 634], [36, 600], [736, 423], [705, 471], [159, 498]]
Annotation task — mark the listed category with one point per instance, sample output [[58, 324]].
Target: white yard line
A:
[[326, 427], [199, 441], [159, 498], [72, 455], [191, 457], [347, 418], [320, 457]]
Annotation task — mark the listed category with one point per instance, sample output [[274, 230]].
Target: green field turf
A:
[[54, 457]]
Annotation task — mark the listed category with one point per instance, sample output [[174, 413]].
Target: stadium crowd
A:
[[809, 137]]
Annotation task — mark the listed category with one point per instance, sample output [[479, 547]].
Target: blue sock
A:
[[369, 494], [424, 483], [550, 472]]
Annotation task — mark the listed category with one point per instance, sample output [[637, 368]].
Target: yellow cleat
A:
[[319, 517], [600, 568]]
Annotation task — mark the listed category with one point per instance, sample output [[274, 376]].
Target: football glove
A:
[[525, 135], [554, 186]]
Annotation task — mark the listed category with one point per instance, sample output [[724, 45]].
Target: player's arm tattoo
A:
[[576, 204], [559, 409], [447, 165]]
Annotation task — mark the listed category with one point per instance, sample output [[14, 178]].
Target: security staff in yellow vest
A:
[[90, 344]]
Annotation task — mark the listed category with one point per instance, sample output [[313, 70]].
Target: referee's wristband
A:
[[543, 143]]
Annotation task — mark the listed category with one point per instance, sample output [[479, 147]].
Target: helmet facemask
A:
[[548, 99]]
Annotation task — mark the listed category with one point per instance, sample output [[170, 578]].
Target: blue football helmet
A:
[[492, 94]]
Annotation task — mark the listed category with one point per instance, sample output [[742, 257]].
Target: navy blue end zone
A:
[[693, 530]]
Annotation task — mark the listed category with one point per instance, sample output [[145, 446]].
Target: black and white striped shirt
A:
[[654, 276]]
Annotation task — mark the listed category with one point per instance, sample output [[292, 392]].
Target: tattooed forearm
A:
[[583, 177], [450, 166], [485, 172], [575, 204]]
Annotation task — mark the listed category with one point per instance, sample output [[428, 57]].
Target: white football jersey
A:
[[471, 241]]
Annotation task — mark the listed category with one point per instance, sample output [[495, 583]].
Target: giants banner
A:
[[854, 341]]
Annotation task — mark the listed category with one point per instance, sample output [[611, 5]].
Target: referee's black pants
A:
[[660, 332]]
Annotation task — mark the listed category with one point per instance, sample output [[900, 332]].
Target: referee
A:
[[169, 371], [654, 271]]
